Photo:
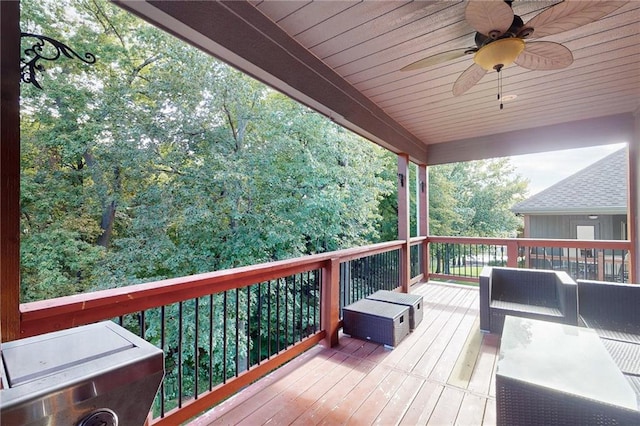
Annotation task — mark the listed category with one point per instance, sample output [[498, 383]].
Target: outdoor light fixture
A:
[[593, 216], [401, 177], [497, 55]]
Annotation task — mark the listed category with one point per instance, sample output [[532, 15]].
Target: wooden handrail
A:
[[538, 242], [54, 314], [69, 311]]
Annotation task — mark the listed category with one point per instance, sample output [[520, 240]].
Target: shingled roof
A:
[[598, 189]]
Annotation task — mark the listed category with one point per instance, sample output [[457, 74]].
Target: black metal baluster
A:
[[164, 349], [259, 317], [396, 261], [352, 265], [374, 262], [368, 274], [278, 316], [315, 301], [237, 333], [248, 352], [317, 313], [210, 341], [293, 309], [384, 270], [300, 321], [196, 352], [308, 301], [375, 282], [180, 355], [343, 287], [286, 313], [466, 253], [224, 337], [143, 327], [269, 319]]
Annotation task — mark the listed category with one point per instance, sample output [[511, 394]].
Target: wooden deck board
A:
[[442, 373], [400, 401], [423, 404], [446, 410], [483, 372], [471, 410], [331, 399]]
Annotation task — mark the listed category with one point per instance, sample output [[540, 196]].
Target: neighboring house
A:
[[590, 204]]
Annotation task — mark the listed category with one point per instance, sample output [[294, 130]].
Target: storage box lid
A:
[[375, 307]]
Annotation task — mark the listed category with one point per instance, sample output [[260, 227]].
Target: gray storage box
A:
[[98, 374], [381, 322], [413, 301]]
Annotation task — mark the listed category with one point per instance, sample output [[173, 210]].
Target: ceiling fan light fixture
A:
[[499, 54]]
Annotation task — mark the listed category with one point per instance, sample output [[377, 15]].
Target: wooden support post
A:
[[10, 171], [423, 216], [633, 200], [403, 221], [512, 253], [330, 303], [600, 265]]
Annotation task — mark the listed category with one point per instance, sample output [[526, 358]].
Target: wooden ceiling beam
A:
[[576, 134]]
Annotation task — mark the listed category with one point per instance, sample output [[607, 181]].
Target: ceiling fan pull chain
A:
[[500, 95], [499, 68]]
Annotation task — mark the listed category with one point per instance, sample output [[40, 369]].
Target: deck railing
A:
[[222, 330], [462, 258]]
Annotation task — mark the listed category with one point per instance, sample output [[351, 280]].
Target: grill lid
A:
[[80, 376]]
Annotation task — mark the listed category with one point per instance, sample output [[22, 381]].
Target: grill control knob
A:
[[101, 417]]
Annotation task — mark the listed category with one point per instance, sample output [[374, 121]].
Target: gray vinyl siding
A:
[[608, 227]]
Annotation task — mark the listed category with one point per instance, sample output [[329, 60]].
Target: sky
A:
[[546, 169]]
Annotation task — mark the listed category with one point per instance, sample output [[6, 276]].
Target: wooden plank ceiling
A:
[[343, 58]]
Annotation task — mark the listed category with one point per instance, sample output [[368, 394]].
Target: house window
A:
[[586, 232]]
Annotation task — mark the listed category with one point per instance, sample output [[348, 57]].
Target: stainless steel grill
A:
[[99, 374]]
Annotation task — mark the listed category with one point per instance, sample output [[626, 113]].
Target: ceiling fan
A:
[[500, 38]]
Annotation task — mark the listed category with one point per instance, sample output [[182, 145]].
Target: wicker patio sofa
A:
[[529, 293], [611, 309]]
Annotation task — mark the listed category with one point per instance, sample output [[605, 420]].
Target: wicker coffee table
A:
[[551, 373]]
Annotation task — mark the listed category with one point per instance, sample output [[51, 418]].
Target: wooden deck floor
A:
[[441, 374]]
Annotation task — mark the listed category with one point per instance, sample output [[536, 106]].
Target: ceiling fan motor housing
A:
[[517, 29]]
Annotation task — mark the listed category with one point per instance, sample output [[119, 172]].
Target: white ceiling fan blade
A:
[[544, 55], [487, 16], [569, 15], [468, 79], [438, 59]]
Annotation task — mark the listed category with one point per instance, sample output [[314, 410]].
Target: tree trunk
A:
[[106, 224]]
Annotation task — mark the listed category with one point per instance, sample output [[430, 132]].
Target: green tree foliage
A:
[[474, 198], [159, 161], [465, 199]]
